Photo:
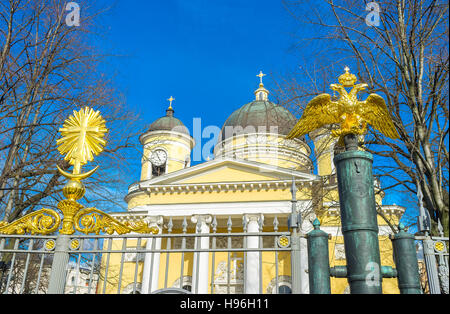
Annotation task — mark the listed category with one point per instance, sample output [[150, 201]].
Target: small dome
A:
[[168, 123], [257, 116]]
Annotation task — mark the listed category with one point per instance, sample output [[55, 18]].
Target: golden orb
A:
[[74, 190]]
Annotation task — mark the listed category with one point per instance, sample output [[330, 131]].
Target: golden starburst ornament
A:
[[82, 139]]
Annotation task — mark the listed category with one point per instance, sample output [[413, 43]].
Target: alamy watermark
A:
[[373, 275], [73, 17], [249, 142], [373, 18]]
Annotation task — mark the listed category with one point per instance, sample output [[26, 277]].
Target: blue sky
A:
[[205, 53]]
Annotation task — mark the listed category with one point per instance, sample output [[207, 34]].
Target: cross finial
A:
[[170, 99], [261, 75], [347, 69]]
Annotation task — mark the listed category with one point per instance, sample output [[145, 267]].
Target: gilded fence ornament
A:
[[92, 220], [44, 221], [82, 139], [352, 114]]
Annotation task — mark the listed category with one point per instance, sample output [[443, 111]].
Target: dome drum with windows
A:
[[257, 132]]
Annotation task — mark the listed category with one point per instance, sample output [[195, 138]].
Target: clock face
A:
[[158, 157]]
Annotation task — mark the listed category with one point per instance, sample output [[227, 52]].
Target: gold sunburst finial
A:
[[82, 139], [171, 99]]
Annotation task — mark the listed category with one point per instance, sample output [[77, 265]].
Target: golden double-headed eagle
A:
[[352, 115]]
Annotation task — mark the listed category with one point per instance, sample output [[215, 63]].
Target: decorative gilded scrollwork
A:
[[92, 220], [44, 221], [82, 138]]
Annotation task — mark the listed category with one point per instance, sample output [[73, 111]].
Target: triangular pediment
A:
[[228, 170]]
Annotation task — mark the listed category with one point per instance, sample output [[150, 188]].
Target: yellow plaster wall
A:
[[338, 285], [332, 196], [228, 174], [323, 146], [331, 220], [324, 164]]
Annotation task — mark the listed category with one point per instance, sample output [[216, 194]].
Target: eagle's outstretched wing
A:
[[374, 111], [320, 111]]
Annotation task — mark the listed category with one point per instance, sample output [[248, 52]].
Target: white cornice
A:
[[184, 136], [336, 231], [161, 143], [386, 209], [215, 187], [218, 209]]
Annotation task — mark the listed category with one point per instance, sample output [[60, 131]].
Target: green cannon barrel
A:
[[359, 221], [318, 261], [405, 258]]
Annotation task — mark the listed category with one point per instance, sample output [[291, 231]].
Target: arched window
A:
[[284, 289], [132, 288], [186, 283], [158, 170], [187, 287], [281, 286]]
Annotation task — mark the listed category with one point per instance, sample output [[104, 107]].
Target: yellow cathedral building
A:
[[246, 187]]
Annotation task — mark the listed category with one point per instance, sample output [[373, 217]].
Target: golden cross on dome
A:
[[261, 75], [170, 99]]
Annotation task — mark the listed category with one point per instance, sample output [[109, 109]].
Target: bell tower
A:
[[167, 146]]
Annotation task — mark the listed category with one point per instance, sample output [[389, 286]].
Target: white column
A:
[[200, 274], [150, 274], [252, 265], [305, 228]]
